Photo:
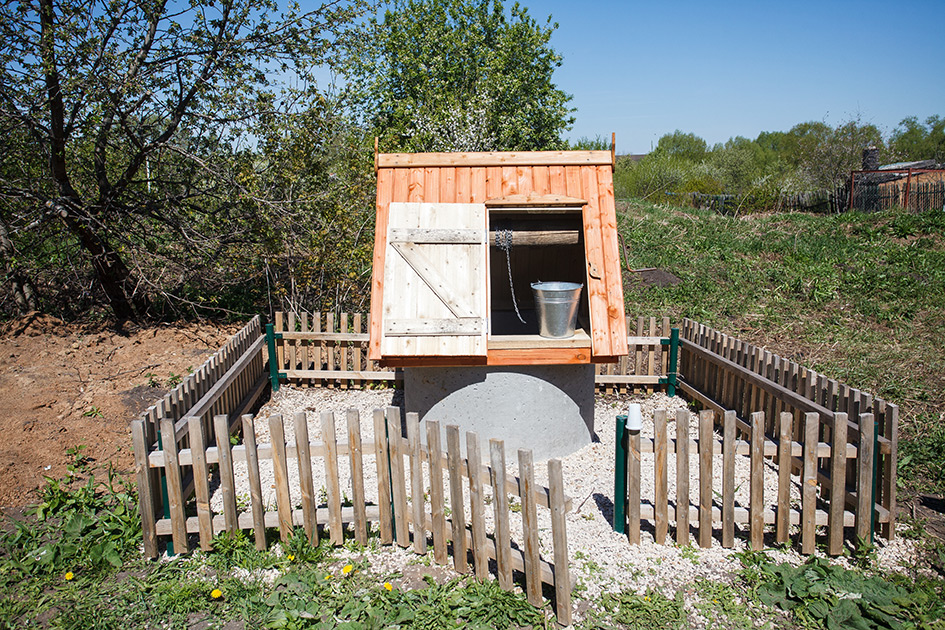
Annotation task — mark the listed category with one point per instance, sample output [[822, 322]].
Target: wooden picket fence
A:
[[724, 373], [715, 504], [232, 381], [401, 514], [330, 350]]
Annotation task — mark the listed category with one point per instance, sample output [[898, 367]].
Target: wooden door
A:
[[434, 295]]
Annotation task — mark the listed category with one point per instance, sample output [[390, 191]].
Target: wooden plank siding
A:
[[481, 177]]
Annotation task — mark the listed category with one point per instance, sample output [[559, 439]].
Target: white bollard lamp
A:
[[634, 417]]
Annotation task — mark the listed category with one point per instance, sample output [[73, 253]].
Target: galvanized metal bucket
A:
[[557, 305]]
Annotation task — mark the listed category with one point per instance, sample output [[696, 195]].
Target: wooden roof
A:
[[578, 176]]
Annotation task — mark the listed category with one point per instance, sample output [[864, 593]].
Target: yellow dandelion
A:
[[290, 557], [388, 586], [68, 576], [348, 569], [328, 577], [216, 593]]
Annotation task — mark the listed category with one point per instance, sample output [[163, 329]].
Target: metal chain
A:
[[503, 240]]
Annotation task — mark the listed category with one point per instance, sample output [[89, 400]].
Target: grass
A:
[[858, 297]]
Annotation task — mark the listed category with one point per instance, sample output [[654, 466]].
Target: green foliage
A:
[[687, 146], [633, 611], [913, 140], [821, 595], [451, 75]]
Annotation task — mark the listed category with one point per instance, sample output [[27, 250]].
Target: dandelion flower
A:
[[348, 568], [328, 577], [216, 593], [290, 557], [388, 586], [69, 575]]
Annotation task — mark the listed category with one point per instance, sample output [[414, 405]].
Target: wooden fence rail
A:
[[329, 350], [724, 373], [715, 506], [402, 513]]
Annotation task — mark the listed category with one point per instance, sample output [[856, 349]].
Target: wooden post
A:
[[175, 491], [526, 473], [756, 499], [415, 455], [382, 463], [838, 494], [437, 511], [146, 490], [398, 483], [357, 475], [890, 461], [809, 488], [633, 487], [500, 506], [706, 446], [864, 488], [660, 498], [255, 486], [728, 479], [221, 425], [280, 471], [560, 541], [457, 505], [785, 441], [473, 464], [306, 484], [682, 477], [336, 533], [198, 445]]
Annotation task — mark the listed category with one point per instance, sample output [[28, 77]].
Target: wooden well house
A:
[[456, 234]]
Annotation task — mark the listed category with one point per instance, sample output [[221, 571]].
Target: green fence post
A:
[[273, 368], [673, 362], [875, 479], [620, 477], [165, 502]]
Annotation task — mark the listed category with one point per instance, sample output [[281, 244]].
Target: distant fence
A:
[[724, 373], [912, 196], [329, 350], [399, 511]]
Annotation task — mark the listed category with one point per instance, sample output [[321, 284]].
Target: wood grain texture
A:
[[281, 477], [146, 486], [864, 486], [417, 504], [728, 479], [255, 485], [756, 494], [492, 158], [221, 425], [333, 486], [198, 445], [682, 477], [809, 487], [175, 490], [661, 487], [532, 558], [560, 543], [306, 483], [706, 448], [785, 431], [500, 506], [838, 472], [457, 504], [437, 507], [633, 487], [382, 463], [476, 509]]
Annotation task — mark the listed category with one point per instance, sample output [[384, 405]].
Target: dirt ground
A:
[[63, 386]]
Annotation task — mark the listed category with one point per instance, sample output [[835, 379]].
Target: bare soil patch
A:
[[64, 385]]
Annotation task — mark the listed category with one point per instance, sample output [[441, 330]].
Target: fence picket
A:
[[864, 488], [255, 486], [437, 511], [706, 447], [783, 516], [660, 498], [526, 473], [838, 472], [457, 507], [500, 505], [382, 463], [415, 456], [809, 490], [633, 489], [198, 446], [560, 538], [280, 471], [728, 479], [221, 425], [682, 477], [306, 483], [175, 490], [336, 531], [357, 475], [756, 519], [146, 483], [397, 481], [473, 459]]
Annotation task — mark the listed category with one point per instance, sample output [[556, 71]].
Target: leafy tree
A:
[[135, 110], [450, 75], [912, 140], [687, 146]]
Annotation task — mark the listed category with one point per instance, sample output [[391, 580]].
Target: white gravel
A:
[[601, 560]]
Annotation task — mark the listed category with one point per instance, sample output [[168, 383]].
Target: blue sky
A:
[[720, 69]]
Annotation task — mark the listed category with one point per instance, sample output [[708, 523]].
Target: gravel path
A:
[[601, 560]]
